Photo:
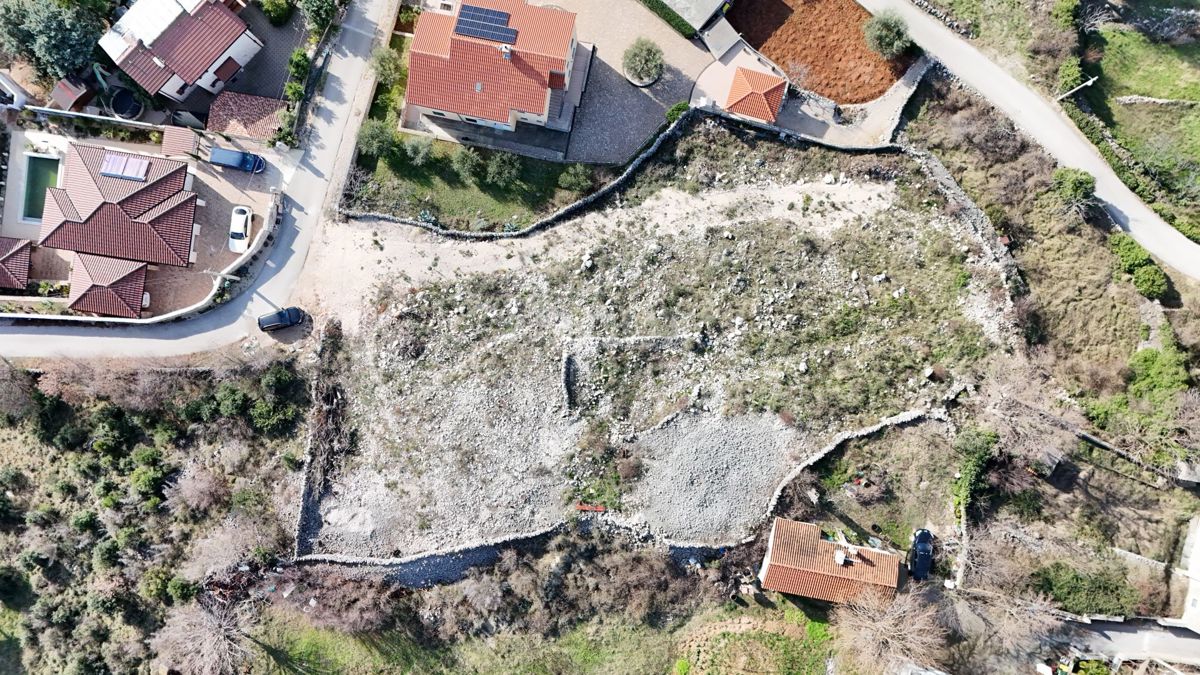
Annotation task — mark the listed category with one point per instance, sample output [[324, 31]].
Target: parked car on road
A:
[[236, 159], [284, 318], [920, 556], [239, 229]]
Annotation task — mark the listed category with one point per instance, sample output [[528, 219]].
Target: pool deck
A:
[[21, 142]]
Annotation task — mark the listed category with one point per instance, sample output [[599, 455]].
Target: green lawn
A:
[[436, 188], [388, 100], [10, 644], [1133, 64]]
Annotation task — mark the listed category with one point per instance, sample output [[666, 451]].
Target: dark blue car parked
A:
[[920, 557]]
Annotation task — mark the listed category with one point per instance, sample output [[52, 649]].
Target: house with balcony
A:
[[173, 47]]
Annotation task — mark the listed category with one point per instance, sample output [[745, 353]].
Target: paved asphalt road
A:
[[325, 153], [1138, 641], [1047, 124]]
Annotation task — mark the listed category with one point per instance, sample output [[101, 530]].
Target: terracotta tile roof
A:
[[14, 262], [470, 76], [756, 94], [107, 286], [179, 141], [245, 115], [187, 48], [800, 562], [148, 221], [227, 70]]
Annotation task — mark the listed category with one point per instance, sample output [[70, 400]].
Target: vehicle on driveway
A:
[[239, 229], [236, 159], [284, 318], [920, 556]]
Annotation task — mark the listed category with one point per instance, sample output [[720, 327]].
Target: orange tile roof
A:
[[756, 94], [470, 76], [800, 562], [245, 115]]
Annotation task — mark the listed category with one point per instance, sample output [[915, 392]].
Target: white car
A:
[[239, 229]]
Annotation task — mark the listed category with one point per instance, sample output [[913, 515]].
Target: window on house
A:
[[439, 113], [471, 120]]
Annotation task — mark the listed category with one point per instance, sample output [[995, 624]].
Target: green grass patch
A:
[[436, 190], [1133, 64], [10, 643], [290, 645], [1103, 592]]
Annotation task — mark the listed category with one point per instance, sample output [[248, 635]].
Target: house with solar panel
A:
[[494, 65], [117, 215], [173, 47]]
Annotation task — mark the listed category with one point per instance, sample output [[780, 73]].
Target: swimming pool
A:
[[40, 173]]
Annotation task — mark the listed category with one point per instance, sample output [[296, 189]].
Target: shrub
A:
[[273, 418], [643, 61], [42, 515], [1103, 592], [181, 590], [153, 585], [277, 11], [106, 554], [503, 169], [231, 401], [85, 521], [277, 382], [250, 501], [1064, 12], [1151, 282], [203, 409], [299, 64], [673, 20], [1076, 188], [388, 65], [293, 91], [1070, 75], [376, 137], [887, 35], [418, 149], [147, 456], [676, 111], [128, 537], [577, 178], [10, 513], [466, 162], [1130, 254], [147, 480], [318, 14]]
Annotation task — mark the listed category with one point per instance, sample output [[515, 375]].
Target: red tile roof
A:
[[245, 115], [14, 262], [756, 94], [179, 141], [470, 76], [107, 286], [800, 562], [188, 48], [148, 221]]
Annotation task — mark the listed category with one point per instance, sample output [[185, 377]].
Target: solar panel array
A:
[[124, 166], [486, 24]]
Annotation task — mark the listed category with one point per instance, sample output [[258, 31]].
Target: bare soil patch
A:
[[825, 38]]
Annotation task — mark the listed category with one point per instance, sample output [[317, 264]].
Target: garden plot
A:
[[793, 303]]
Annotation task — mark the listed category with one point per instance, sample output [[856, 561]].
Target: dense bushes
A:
[[676, 111], [1064, 13], [1070, 75], [1104, 592], [887, 35], [1076, 188], [975, 448], [277, 11], [673, 20], [1148, 278], [388, 65], [503, 169], [577, 178], [318, 14], [643, 61]]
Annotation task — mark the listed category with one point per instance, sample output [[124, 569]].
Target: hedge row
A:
[[673, 20]]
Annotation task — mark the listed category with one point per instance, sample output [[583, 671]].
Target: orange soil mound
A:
[[823, 36]]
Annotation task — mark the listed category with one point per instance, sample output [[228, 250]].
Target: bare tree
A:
[[1187, 418], [1094, 16], [16, 393], [197, 640], [878, 633], [197, 490]]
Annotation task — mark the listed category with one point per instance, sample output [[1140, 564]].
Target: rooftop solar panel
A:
[[484, 14], [123, 166], [485, 31]]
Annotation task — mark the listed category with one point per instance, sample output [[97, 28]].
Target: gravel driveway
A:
[[616, 118]]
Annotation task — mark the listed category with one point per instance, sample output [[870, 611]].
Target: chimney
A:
[[506, 52], [839, 557]]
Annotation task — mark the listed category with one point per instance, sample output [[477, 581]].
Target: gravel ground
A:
[[707, 479]]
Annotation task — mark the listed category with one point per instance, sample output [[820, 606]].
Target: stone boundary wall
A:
[[963, 29]]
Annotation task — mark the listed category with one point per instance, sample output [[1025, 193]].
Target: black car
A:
[[284, 318], [920, 558]]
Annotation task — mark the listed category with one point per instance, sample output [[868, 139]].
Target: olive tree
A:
[[643, 61], [57, 39], [887, 35]]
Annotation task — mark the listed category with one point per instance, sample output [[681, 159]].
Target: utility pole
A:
[[1085, 84]]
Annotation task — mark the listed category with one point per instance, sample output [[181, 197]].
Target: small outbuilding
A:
[[800, 561]]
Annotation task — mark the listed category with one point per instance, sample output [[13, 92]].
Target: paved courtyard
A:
[[616, 118], [267, 72]]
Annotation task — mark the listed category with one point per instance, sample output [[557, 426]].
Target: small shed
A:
[[800, 562]]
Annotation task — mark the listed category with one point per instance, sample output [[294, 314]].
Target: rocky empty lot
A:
[[772, 307]]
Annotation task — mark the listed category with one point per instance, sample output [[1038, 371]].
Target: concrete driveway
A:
[[1051, 128], [616, 118]]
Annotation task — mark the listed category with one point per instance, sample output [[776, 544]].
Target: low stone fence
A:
[[270, 221]]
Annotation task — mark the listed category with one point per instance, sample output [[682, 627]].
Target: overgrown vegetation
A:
[[56, 38], [887, 35], [1101, 592], [115, 482]]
